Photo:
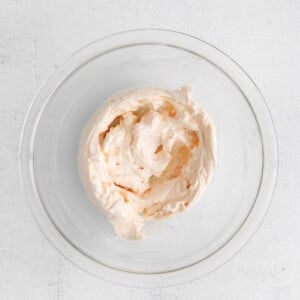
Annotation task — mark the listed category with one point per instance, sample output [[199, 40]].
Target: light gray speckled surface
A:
[[263, 36]]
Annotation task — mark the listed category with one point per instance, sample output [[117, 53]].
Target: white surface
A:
[[263, 36]]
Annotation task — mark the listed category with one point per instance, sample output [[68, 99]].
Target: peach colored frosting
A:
[[147, 154]]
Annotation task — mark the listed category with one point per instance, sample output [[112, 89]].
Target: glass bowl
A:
[[178, 249]]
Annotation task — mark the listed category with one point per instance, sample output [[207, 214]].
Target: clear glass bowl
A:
[[180, 248]]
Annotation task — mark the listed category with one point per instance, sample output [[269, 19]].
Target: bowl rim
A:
[[268, 138]]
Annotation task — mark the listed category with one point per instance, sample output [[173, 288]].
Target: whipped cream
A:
[[147, 154]]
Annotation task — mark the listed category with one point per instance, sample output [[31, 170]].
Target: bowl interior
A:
[[170, 244]]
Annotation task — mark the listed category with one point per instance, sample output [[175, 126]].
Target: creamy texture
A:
[[147, 154]]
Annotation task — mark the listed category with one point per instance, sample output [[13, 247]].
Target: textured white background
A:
[[263, 36]]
